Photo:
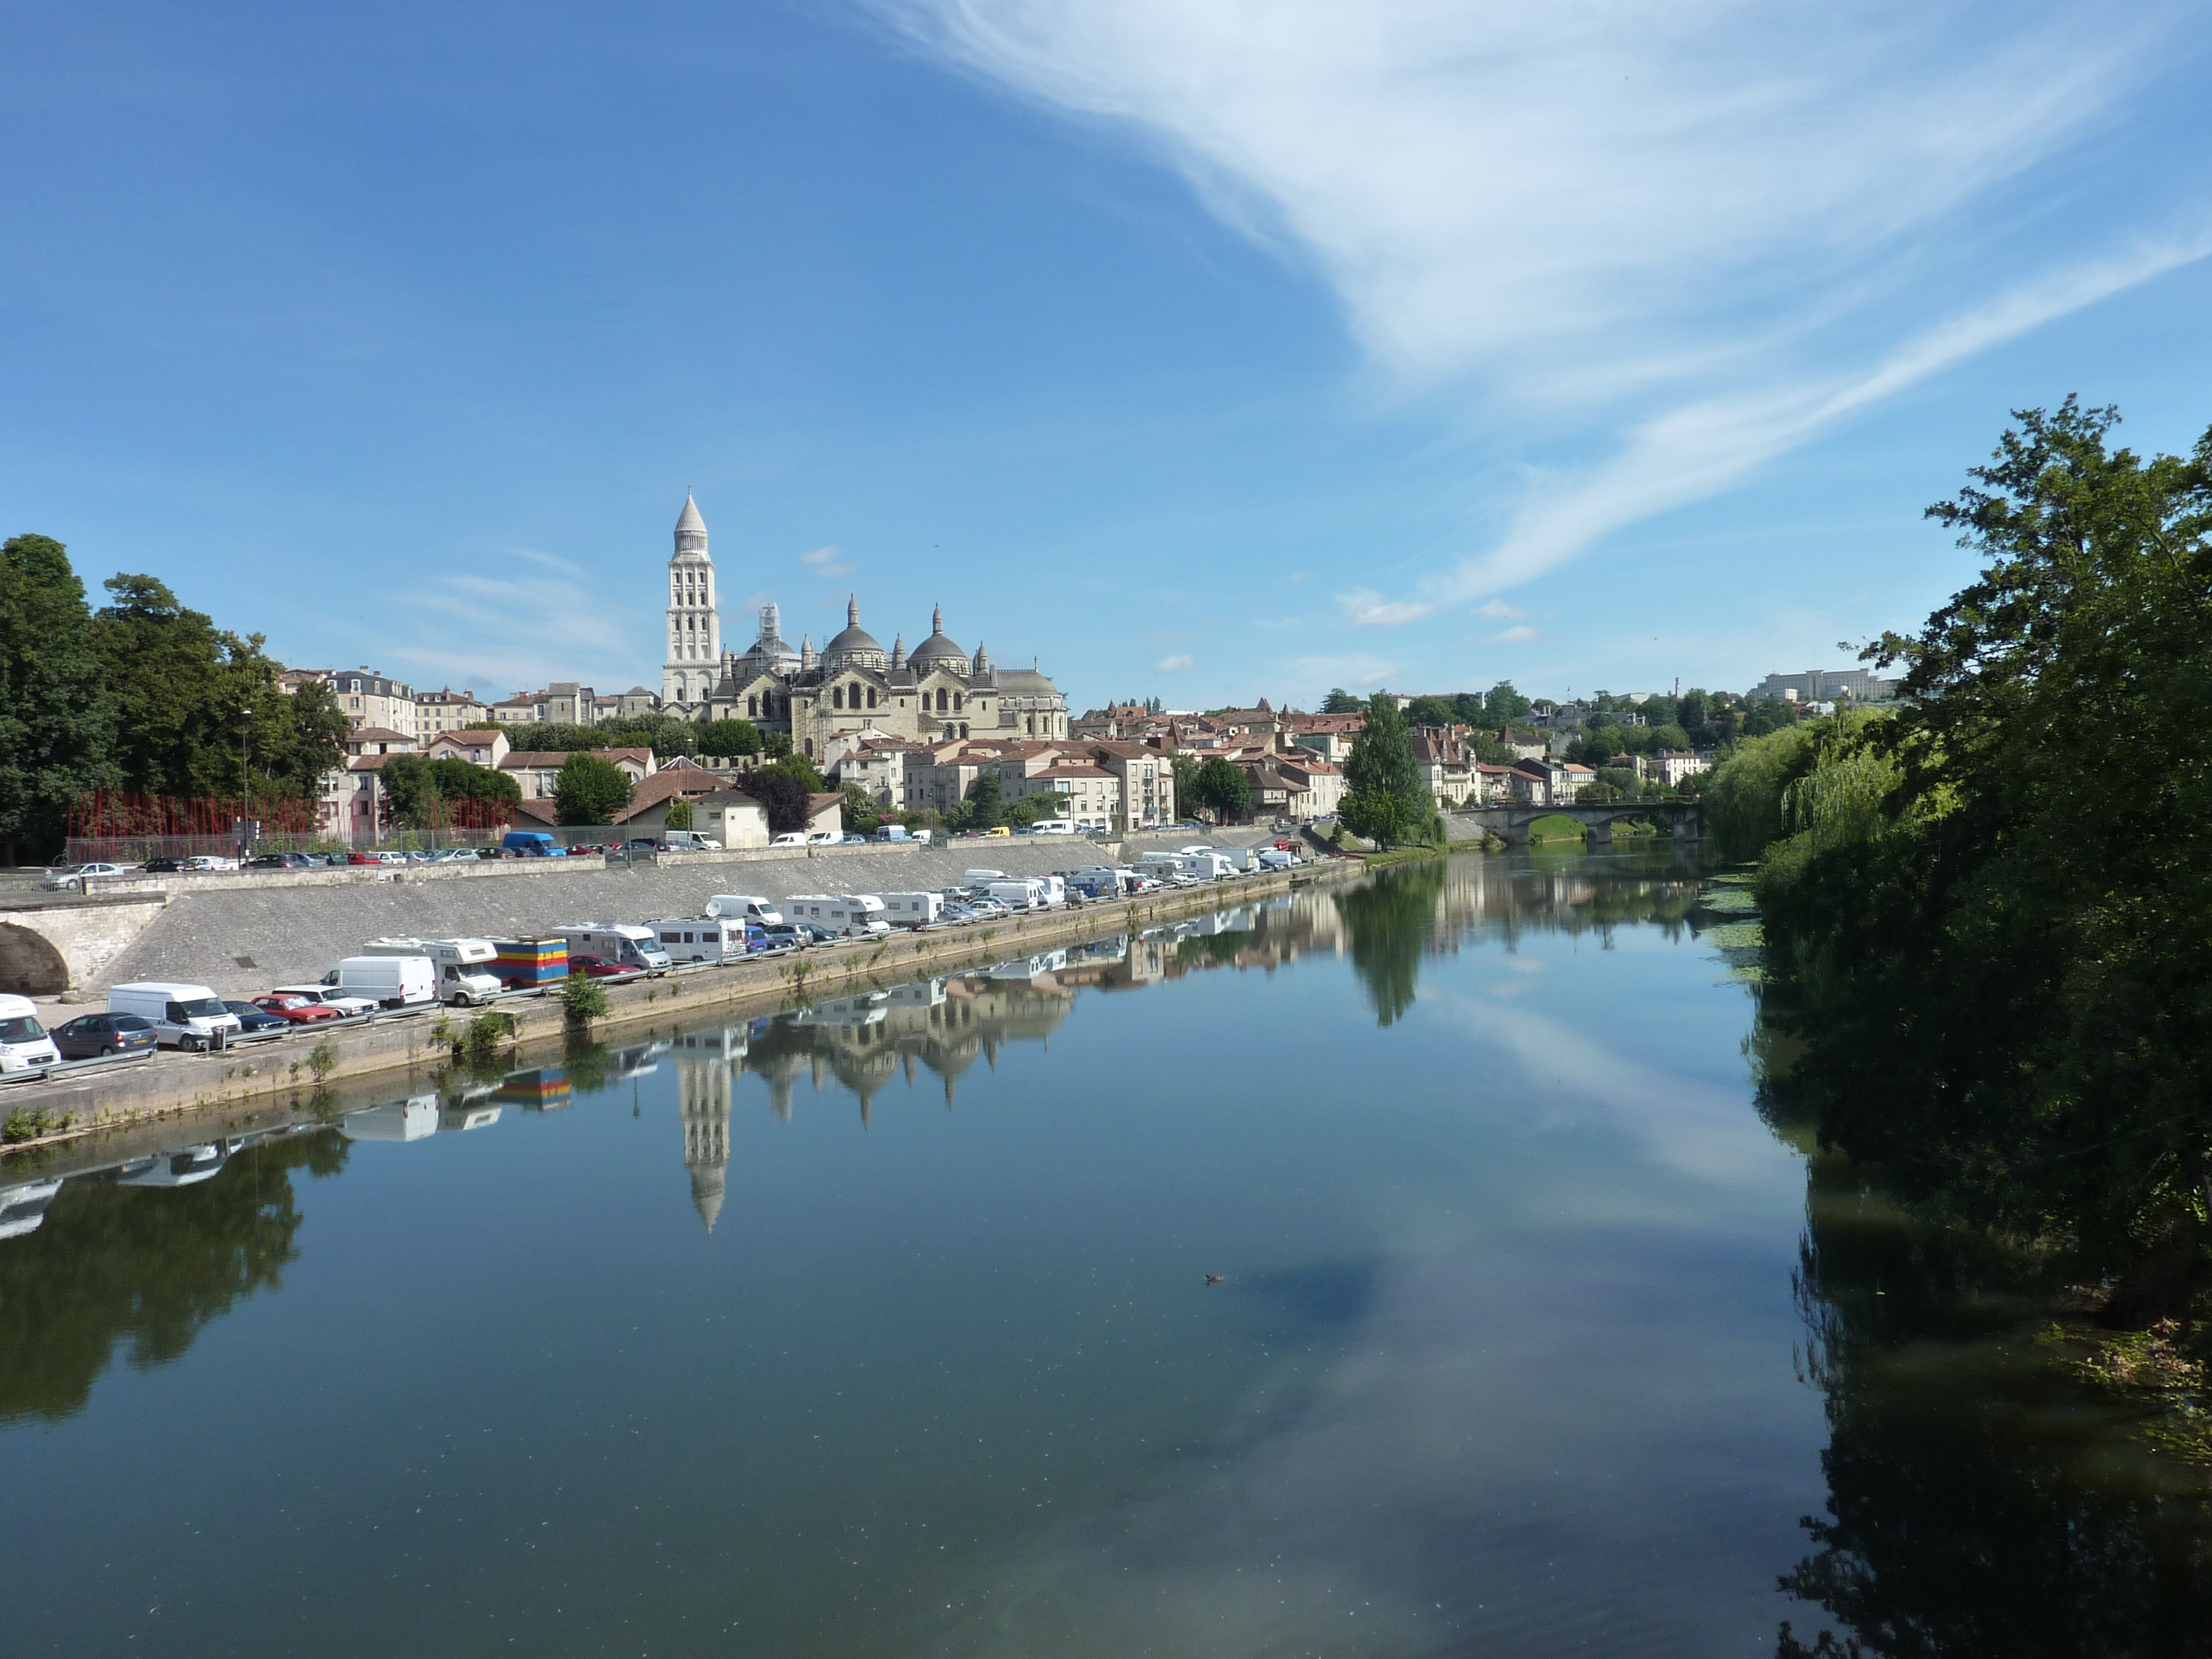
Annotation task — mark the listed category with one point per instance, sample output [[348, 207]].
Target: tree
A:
[[729, 738], [1186, 785], [55, 720], [1384, 799], [776, 745], [858, 811], [982, 809], [1504, 705], [1340, 701], [589, 790], [784, 796], [802, 771], [1432, 711], [1224, 789], [679, 815], [415, 787]]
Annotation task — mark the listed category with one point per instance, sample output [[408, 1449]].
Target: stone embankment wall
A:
[[221, 1085], [244, 939]]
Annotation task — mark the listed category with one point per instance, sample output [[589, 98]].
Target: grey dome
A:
[[937, 651], [855, 647]]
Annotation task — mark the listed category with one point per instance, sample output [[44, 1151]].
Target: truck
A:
[[408, 981], [532, 844], [466, 968], [624, 944], [524, 964]]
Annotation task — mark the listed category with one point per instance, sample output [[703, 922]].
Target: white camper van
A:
[[701, 938], [182, 1016], [911, 909], [462, 978], [977, 880], [24, 1044], [847, 912], [410, 981], [743, 906], [622, 944], [1023, 893]]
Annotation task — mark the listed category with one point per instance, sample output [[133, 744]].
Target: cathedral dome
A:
[[937, 651], [855, 647]]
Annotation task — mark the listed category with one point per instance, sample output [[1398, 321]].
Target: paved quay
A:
[[241, 940]]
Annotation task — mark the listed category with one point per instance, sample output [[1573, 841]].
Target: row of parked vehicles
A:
[[395, 975]]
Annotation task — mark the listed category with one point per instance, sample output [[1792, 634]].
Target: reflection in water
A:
[[148, 1252], [1980, 1501]]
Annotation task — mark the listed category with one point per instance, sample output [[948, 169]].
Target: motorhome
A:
[[1023, 893], [977, 880], [1240, 860], [466, 967], [24, 1044], [844, 913], [743, 906], [621, 943], [911, 909], [1166, 867], [182, 1016], [522, 964], [409, 981], [701, 938]]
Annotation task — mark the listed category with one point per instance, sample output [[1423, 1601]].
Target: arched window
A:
[[837, 696], [964, 729], [752, 707], [1033, 725], [955, 700], [940, 699], [871, 697]]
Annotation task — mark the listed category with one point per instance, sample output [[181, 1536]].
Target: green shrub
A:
[[583, 1000]]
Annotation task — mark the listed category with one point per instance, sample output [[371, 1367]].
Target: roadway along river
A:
[[886, 1327]]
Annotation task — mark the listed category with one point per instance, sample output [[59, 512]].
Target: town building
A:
[[1671, 766], [484, 746], [1819, 685], [447, 710], [536, 771]]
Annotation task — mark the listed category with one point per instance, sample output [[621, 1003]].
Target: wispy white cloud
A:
[[1498, 610], [828, 560], [1749, 219], [505, 631], [1517, 635], [1173, 665], [1317, 674]]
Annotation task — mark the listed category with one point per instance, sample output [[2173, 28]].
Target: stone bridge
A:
[[50, 946], [1510, 821]]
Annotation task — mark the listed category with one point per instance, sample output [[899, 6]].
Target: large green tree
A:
[[1384, 797], [1340, 701], [1996, 902], [56, 716], [415, 787], [589, 790], [1223, 790], [729, 738]]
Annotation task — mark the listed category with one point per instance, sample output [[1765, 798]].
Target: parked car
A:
[[283, 861], [784, 937], [996, 831], [825, 838], [74, 875], [361, 858], [345, 1003], [294, 1009], [90, 1036], [162, 866], [252, 1021], [597, 966], [790, 838], [209, 861]]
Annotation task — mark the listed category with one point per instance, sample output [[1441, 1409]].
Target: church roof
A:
[[937, 648], [855, 638], [689, 518]]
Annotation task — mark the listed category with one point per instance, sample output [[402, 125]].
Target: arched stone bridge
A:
[[1510, 821], [50, 946]]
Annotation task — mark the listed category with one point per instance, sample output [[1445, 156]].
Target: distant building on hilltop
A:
[[1826, 685]]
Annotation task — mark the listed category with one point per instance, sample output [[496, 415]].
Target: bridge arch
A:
[[30, 964]]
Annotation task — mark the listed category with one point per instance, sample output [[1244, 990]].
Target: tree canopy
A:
[[1340, 701], [414, 785], [729, 738], [589, 790], [1384, 797], [56, 712], [1223, 789]]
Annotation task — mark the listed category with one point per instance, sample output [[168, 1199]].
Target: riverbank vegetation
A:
[[1988, 913]]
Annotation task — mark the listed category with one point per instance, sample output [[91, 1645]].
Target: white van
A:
[[1277, 858], [623, 944], [24, 1044], [852, 914], [182, 1016], [462, 977], [911, 909], [977, 880], [701, 938], [1023, 893], [743, 906], [393, 981], [685, 840], [1052, 827]]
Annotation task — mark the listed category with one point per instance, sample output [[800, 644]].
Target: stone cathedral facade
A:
[[852, 685]]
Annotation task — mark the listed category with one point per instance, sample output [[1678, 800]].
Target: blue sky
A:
[[1212, 351]]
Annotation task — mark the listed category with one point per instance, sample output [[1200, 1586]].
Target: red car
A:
[[594, 967], [361, 857], [1282, 844], [298, 1009]]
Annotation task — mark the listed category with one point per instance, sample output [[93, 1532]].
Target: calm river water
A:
[[885, 1327]]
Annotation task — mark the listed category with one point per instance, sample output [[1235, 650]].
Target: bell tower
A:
[[695, 626]]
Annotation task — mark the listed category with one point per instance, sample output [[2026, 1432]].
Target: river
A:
[[1398, 1269]]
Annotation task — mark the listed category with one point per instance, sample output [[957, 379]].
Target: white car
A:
[[74, 875], [209, 861], [826, 838], [331, 997], [790, 838]]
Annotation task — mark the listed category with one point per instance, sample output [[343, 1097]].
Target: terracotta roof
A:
[[522, 760], [479, 735]]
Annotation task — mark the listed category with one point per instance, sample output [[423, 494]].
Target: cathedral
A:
[[852, 685]]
